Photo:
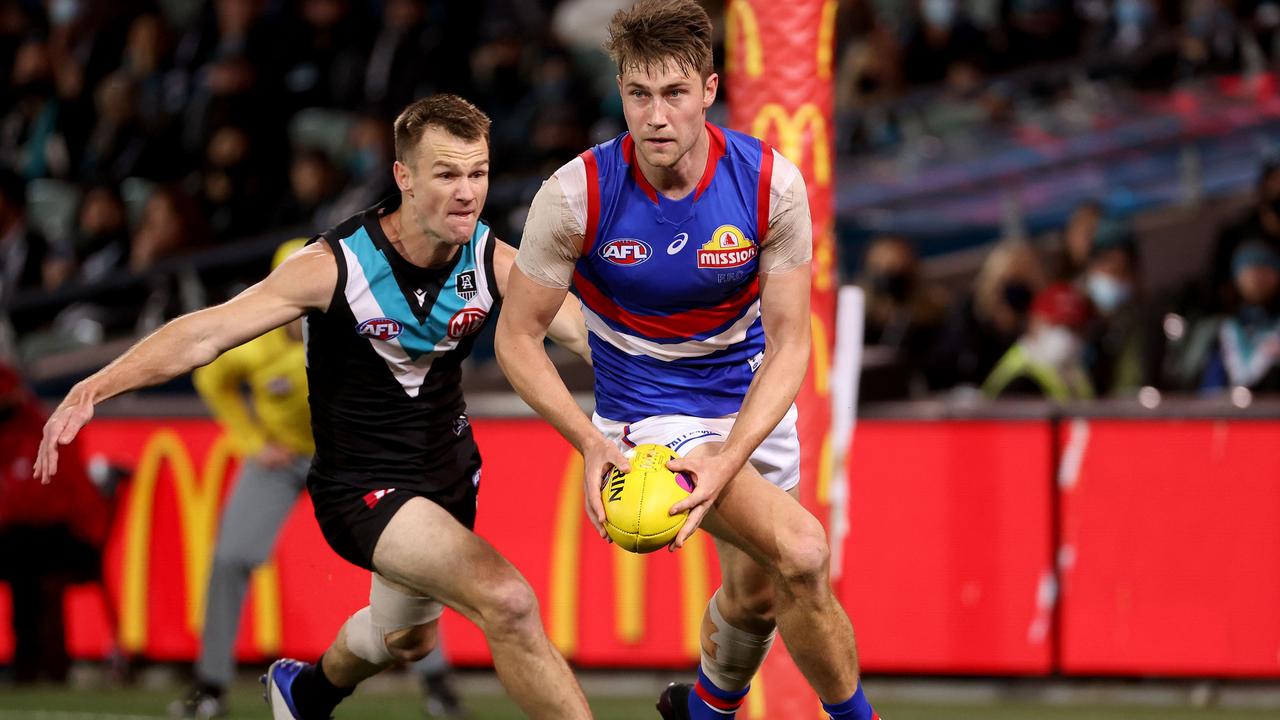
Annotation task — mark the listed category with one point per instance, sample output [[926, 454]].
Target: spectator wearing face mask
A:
[[1049, 359], [1260, 223], [1124, 347], [981, 329], [1248, 352], [904, 316]]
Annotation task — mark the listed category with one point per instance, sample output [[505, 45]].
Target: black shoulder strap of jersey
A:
[[331, 238]]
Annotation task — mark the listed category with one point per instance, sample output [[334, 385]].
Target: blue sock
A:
[[708, 702], [855, 708]]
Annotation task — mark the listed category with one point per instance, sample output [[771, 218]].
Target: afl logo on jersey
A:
[[727, 248], [466, 321], [625, 251], [380, 328]]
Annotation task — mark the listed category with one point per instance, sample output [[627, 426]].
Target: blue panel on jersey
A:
[[417, 340], [448, 301]]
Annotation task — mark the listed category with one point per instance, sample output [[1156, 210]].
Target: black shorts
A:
[[353, 511]]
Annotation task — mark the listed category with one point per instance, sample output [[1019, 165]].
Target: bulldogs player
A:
[[689, 246]]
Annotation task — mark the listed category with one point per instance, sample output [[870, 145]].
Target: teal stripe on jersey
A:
[[417, 340], [448, 301]]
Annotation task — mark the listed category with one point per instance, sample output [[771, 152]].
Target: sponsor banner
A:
[[1171, 541], [947, 568], [950, 545], [600, 605]]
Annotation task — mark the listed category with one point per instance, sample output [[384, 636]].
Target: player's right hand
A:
[[597, 460], [62, 427]]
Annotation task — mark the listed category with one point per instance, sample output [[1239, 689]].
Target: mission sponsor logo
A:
[[727, 248], [466, 321], [625, 251], [380, 328]]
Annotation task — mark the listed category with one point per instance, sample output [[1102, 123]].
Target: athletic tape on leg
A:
[[389, 610], [739, 654]]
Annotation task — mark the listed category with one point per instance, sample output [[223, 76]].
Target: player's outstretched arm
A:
[[567, 328], [304, 281]]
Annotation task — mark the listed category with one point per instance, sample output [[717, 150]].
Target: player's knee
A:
[[413, 643], [804, 555], [748, 608], [511, 609]]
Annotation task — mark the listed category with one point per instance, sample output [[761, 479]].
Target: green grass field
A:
[[135, 704]]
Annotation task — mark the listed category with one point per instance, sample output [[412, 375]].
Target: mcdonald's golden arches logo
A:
[[792, 127], [628, 572], [742, 42], [198, 508]]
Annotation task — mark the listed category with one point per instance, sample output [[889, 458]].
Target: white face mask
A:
[[1107, 292], [1055, 345]]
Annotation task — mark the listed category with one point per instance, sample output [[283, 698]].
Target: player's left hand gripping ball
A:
[[637, 504]]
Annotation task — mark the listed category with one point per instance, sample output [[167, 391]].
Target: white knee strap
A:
[[738, 653], [389, 610]]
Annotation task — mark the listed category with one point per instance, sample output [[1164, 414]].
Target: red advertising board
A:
[[950, 546], [601, 606], [1171, 535], [1171, 548]]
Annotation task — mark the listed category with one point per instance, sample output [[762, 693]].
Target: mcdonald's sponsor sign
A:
[[744, 51], [602, 606], [792, 128]]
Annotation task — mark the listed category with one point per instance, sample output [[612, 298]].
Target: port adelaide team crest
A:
[[727, 248]]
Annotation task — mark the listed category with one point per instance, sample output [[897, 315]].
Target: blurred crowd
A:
[[984, 61], [1071, 317], [135, 133]]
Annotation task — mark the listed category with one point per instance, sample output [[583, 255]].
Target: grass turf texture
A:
[[246, 702]]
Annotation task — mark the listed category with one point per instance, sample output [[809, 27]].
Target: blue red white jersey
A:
[[670, 288]]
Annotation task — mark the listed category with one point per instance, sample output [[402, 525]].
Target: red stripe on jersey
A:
[[715, 702], [593, 201], [642, 182], [714, 153], [715, 150], [685, 323], [762, 198]]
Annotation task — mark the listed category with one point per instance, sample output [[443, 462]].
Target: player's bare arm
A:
[[304, 281], [529, 307], [567, 328], [527, 313]]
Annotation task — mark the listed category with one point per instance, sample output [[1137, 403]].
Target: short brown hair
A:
[[654, 32], [447, 112]]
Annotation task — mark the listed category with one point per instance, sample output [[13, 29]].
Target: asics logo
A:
[[678, 244]]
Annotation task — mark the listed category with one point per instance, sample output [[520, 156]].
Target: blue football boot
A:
[[278, 688]]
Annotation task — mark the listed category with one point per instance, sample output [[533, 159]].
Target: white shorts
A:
[[777, 458]]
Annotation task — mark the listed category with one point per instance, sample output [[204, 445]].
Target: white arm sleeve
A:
[[789, 242], [553, 231]]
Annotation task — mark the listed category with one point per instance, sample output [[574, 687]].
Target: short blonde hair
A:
[[655, 32]]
